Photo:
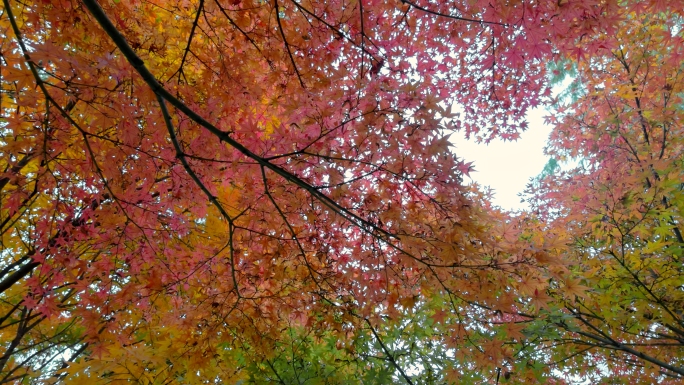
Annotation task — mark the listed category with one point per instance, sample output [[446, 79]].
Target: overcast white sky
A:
[[507, 166]]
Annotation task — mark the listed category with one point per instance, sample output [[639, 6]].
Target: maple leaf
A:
[[99, 350], [572, 288], [439, 316], [540, 299], [514, 331], [465, 168], [529, 284]]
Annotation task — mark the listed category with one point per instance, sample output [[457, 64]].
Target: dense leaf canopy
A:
[[250, 191], [623, 204]]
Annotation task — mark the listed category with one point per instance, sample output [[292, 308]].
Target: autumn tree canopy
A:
[[622, 205], [237, 191]]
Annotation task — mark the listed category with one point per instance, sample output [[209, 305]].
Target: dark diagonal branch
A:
[[181, 156], [389, 354], [187, 47], [287, 45], [120, 41], [416, 6]]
